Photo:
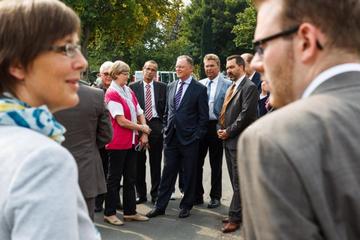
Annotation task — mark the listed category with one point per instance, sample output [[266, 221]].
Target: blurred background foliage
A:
[[138, 30]]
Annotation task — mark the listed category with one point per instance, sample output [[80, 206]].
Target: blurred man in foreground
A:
[[304, 183]]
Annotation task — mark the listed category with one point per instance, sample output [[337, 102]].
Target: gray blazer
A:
[[222, 86], [241, 111], [88, 128], [300, 167]]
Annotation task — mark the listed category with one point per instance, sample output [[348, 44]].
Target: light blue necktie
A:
[[209, 89]]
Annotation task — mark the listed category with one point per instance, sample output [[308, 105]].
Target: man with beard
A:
[[238, 112], [304, 183]]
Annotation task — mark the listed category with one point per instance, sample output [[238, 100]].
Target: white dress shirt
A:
[[214, 84]]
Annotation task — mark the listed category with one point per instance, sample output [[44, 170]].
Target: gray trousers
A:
[[90, 203], [235, 206]]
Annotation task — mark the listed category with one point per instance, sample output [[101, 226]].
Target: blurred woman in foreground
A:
[[40, 66]]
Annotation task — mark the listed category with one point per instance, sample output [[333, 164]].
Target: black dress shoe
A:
[[184, 213], [155, 212], [99, 209], [214, 203], [141, 200], [199, 201]]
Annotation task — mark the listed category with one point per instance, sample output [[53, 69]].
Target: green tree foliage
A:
[[208, 27], [110, 28], [245, 27]]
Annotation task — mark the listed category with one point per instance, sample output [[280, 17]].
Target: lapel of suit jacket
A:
[[172, 92], [237, 90], [141, 94], [187, 94], [218, 87], [156, 93]]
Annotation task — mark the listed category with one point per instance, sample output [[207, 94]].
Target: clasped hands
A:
[[144, 139], [222, 134]]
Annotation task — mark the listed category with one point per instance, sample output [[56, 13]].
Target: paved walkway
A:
[[203, 223]]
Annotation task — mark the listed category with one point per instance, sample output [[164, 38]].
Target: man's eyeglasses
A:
[[106, 74], [258, 44], [68, 49]]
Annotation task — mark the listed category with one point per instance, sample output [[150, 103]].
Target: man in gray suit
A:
[[304, 183], [216, 89], [238, 112], [88, 128]]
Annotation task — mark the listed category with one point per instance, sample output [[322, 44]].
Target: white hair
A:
[[106, 65]]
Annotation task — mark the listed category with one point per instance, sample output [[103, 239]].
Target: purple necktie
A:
[[178, 95]]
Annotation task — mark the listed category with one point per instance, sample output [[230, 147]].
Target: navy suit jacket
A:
[[256, 79], [159, 95], [189, 122]]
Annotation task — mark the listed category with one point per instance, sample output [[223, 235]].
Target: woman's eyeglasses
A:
[[68, 49]]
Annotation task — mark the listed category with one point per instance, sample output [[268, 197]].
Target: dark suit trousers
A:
[[178, 156], [105, 161], [121, 163], [155, 155], [215, 146], [235, 205], [99, 200]]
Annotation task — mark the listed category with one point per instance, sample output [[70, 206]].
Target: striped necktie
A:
[[148, 103], [178, 95]]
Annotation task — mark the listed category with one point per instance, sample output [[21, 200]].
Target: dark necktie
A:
[[148, 103], [209, 89], [178, 95]]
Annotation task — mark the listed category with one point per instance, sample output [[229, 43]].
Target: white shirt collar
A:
[[237, 82], [151, 83], [214, 80], [187, 81], [329, 73]]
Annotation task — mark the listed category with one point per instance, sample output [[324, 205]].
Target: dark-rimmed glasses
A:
[[258, 44], [68, 49]]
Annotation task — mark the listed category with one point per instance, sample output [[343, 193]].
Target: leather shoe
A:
[[214, 203], [230, 227], [225, 220], [136, 217], [199, 201], [155, 212], [113, 220], [141, 200], [184, 213], [98, 209]]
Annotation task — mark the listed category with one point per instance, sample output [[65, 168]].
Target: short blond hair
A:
[[117, 68]]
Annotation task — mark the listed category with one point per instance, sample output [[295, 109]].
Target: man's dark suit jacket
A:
[[88, 128], [159, 95], [241, 111], [256, 79], [189, 121]]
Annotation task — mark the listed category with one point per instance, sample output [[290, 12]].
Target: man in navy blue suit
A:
[[185, 121], [250, 72]]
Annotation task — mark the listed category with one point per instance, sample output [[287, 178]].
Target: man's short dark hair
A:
[[238, 59]]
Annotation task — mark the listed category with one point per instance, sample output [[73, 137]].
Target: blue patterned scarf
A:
[[14, 112]]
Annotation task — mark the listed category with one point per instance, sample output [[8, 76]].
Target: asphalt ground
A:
[[202, 224]]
